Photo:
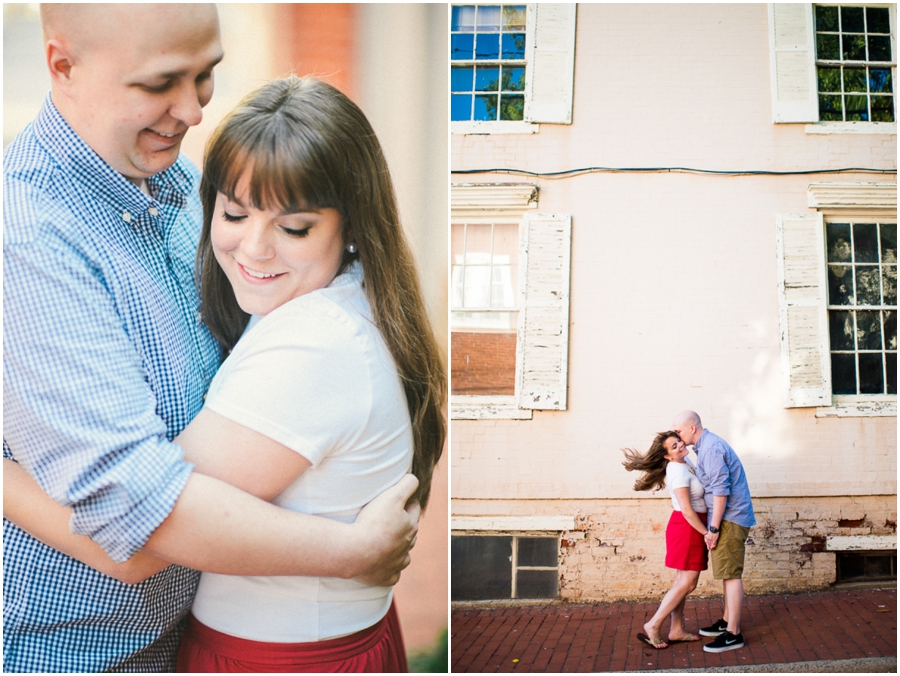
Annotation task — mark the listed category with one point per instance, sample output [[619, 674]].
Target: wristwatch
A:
[[712, 529]]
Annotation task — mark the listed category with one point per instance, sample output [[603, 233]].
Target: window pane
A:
[[487, 47], [857, 108], [852, 20], [854, 46], [880, 80], [488, 18], [882, 109], [513, 79], [480, 568], [843, 374], [838, 237], [514, 18], [879, 48], [878, 20], [871, 374], [462, 46], [890, 329], [487, 78], [485, 107], [889, 284], [868, 330], [538, 551], [854, 79], [830, 107], [829, 79], [512, 107], [888, 242], [514, 45], [841, 330], [827, 47], [461, 78], [463, 18], [826, 18], [865, 242], [536, 584], [891, 359], [868, 289], [460, 107], [840, 285]]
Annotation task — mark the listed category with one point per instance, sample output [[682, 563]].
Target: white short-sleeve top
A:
[[679, 475], [315, 375]]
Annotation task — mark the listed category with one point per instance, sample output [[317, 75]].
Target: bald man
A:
[[106, 360], [730, 512]]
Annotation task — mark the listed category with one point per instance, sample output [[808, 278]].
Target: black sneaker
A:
[[715, 629], [725, 641]]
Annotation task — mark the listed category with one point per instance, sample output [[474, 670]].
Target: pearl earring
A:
[[351, 248]]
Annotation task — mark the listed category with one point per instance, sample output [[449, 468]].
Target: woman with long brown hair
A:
[[667, 461]]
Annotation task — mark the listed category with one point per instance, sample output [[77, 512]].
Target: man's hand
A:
[[390, 527], [711, 539]]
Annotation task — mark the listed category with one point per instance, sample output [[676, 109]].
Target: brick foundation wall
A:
[[483, 363], [617, 551]]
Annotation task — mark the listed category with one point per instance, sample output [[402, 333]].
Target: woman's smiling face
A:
[[271, 257], [677, 451]]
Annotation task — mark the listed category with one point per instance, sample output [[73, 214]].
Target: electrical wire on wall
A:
[[568, 173]]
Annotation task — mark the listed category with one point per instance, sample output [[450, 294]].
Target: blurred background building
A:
[[391, 59]]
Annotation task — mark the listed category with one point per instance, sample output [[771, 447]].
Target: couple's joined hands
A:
[[711, 539]]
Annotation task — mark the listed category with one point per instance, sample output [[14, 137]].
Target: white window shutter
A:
[[805, 359], [792, 50], [543, 337], [551, 63]]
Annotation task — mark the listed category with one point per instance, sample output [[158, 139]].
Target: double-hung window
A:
[[487, 75], [512, 66], [853, 63], [837, 285], [833, 65]]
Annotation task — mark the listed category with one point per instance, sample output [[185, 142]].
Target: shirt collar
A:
[[697, 447], [170, 187]]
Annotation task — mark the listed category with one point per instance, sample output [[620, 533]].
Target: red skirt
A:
[[685, 548], [377, 649]]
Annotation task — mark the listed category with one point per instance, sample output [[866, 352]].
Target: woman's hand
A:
[[390, 527]]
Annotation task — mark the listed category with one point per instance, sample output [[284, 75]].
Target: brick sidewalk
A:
[[822, 626]]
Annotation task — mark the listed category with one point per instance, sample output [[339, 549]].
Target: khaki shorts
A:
[[728, 556]]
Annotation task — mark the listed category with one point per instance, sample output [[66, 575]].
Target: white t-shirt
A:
[[679, 475], [315, 375]]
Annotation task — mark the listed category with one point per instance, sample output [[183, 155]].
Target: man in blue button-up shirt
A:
[[730, 512], [105, 358]]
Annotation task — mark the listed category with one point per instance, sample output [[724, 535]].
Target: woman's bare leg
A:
[[685, 583]]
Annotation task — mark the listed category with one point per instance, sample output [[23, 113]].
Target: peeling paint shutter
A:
[[806, 363], [551, 59], [793, 65], [543, 340]]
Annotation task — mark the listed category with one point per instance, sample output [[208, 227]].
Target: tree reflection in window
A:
[[862, 307], [487, 48], [853, 57]]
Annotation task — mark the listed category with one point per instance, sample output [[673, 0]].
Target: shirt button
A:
[[153, 211], [199, 317], [126, 217]]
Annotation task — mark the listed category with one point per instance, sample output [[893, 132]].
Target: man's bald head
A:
[[130, 79], [688, 426]]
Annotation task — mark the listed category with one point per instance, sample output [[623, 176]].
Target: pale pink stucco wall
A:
[[674, 298]]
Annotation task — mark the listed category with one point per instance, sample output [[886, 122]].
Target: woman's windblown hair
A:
[[652, 463], [306, 145]]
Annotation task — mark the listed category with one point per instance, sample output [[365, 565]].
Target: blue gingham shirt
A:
[[721, 473], [104, 362]]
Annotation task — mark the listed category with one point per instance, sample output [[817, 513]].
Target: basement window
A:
[[866, 566], [499, 567]]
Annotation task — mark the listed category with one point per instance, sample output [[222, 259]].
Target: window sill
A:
[[859, 407], [852, 128], [494, 128], [486, 408]]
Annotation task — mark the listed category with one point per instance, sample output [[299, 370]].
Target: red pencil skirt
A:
[[377, 649], [685, 548]]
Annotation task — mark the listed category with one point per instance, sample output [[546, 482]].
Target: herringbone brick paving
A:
[[833, 625]]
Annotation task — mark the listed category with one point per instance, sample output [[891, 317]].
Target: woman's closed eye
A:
[[296, 232], [232, 218]]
